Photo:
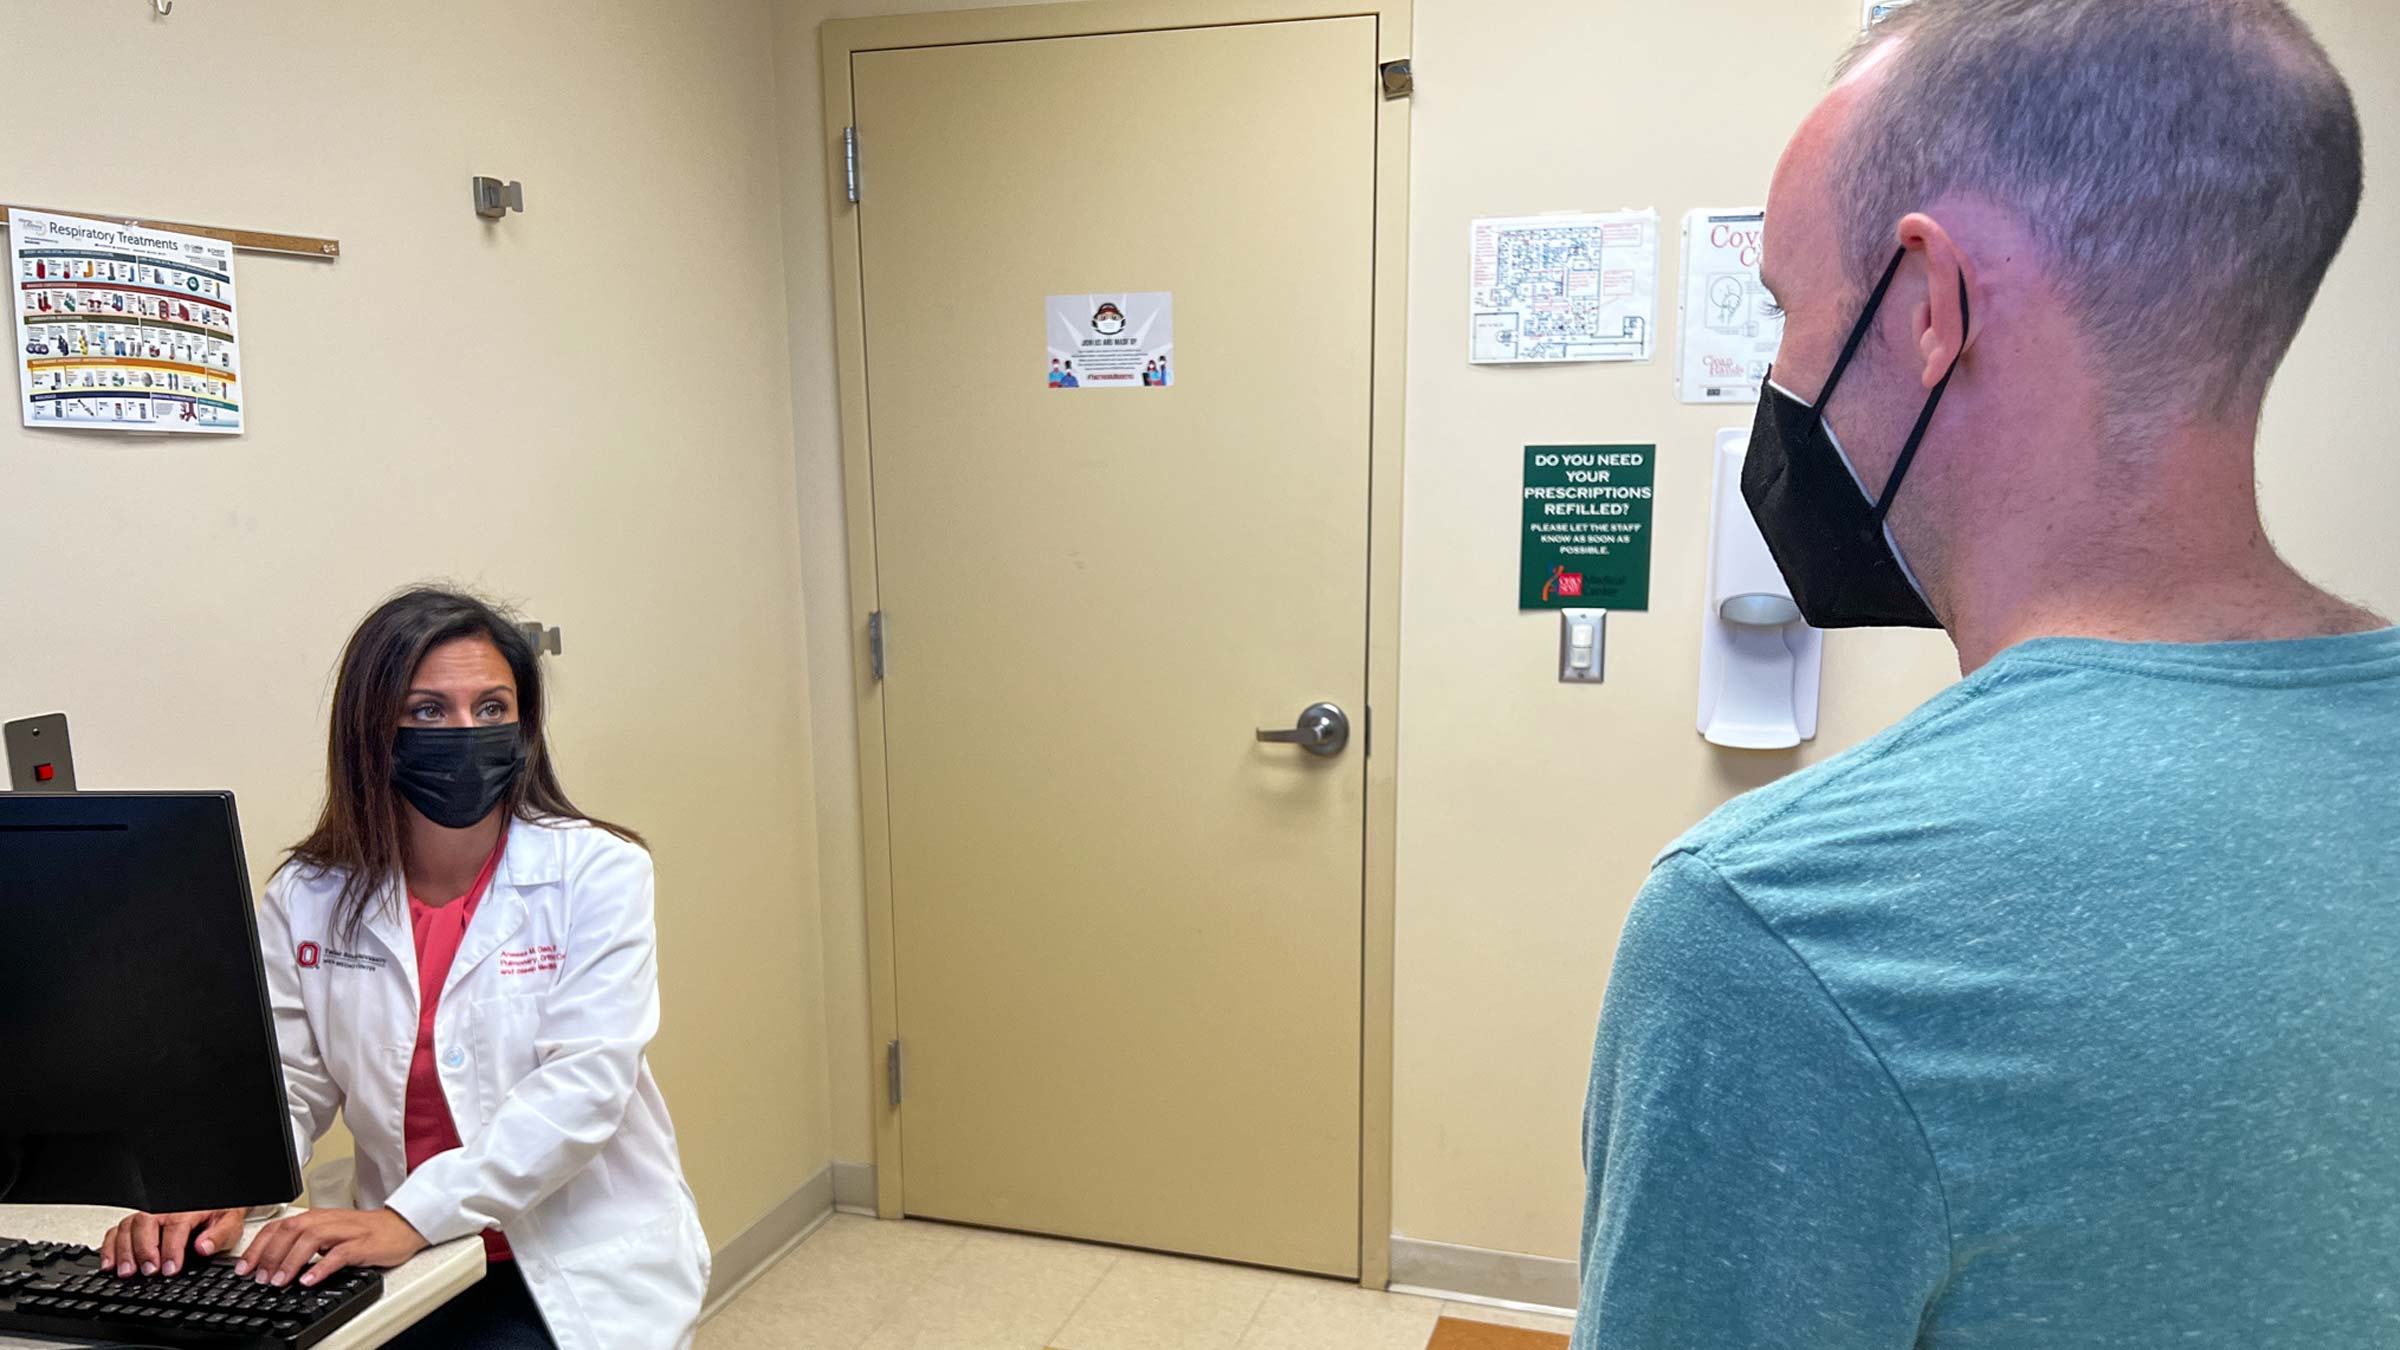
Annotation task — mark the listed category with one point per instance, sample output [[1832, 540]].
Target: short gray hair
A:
[[2188, 168]]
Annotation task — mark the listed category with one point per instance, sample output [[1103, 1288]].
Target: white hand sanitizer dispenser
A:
[[1759, 664]]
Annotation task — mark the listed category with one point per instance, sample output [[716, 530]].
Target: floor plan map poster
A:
[[123, 329], [1729, 327], [1564, 288]]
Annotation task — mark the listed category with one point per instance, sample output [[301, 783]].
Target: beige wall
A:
[[1529, 811], [514, 406]]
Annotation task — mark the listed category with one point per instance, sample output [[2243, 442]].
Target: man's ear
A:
[[1939, 318]]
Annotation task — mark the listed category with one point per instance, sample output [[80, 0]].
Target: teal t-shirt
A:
[[2063, 1015]]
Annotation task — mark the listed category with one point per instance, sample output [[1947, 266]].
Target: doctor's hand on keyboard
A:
[[331, 1238], [282, 1253], [154, 1244]]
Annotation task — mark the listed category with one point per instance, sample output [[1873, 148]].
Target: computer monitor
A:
[[137, 1046]]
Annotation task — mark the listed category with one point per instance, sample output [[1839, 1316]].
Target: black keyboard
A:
[[56, 1289]]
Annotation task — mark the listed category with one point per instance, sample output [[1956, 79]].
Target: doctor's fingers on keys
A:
[[334, 1238], [217, 1232], [121, 1250], [207, 1231], [153, 1243], [282, 1247]]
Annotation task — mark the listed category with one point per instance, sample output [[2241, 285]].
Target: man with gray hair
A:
[[2066, 1013]]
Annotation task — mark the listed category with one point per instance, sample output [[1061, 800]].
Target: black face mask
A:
[[1826, 530], [457, 775]]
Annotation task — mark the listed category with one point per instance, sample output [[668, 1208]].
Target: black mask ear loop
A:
[[1858, 338], [1916, 436]]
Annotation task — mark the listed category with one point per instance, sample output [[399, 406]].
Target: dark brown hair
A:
[[358, 832]]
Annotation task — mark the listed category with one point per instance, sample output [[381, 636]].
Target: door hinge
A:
[[1399, 81], [850, 160], [891, 1070], [875, 643]]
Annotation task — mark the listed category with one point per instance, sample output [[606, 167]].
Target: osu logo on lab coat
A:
[[309, 954]]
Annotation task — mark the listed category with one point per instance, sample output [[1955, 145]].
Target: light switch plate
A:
[[36, 743], [1582, 646]]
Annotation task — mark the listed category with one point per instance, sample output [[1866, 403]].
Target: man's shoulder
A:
[[1901, 792]]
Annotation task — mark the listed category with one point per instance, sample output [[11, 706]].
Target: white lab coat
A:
[[539, 1040]]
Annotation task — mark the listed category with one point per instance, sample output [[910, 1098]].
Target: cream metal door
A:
[[1127, 934]]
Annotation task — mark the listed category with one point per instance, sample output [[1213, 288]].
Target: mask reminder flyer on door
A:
[[124, 329], [1563, 288], [1730, 327], [1124, 340], [1586, 541]]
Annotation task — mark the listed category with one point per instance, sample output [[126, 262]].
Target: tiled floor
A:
[[860, 1284]]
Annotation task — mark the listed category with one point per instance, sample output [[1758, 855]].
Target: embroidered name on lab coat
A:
[[531, 960]]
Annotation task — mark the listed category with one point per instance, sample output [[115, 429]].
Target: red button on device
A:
[[43, 773]]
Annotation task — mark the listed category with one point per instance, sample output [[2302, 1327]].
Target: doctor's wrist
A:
[[404, 1230], [425, 1217]]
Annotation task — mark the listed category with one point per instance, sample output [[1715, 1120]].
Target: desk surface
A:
[[414, 1289]]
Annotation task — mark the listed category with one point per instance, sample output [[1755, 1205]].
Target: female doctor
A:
[[465, 966]]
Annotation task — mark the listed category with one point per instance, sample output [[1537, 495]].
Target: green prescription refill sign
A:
[[1587, 527]]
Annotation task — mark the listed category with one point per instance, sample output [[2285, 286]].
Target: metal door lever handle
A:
[[1323, 730]]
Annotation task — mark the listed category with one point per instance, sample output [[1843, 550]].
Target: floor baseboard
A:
[[854, 1187], [1509, 1279], [763, 1243], [1476, 1274]]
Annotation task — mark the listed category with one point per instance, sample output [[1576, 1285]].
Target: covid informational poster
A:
[[1586, 541], [124, 329], [1563, 288], [1118, 340], [1730, 326]]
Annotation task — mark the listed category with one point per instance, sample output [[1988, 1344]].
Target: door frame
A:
[[841, 40]]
